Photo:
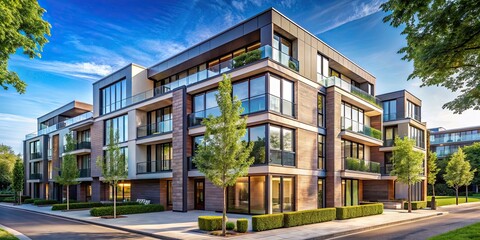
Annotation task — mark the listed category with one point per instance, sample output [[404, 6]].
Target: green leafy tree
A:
[[407, 165], [7, 161], [113, 166], [17, 179], [69, 169], [443, 41], [467, 177], [223, 157], [21, 26], [458, 172], [432, 171], [472, 154]]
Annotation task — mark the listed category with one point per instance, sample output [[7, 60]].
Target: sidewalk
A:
[[176, 225]]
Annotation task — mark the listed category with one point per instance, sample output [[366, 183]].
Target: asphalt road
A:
[[426, 228], [44, 227]]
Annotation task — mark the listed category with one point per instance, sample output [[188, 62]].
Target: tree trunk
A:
[[433, 205], [409, 193], [456, 195], [114, 200], [68, 197], [224, 220], [466, 194]]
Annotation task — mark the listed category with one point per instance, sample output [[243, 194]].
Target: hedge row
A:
[[210, 223], [42, 202], [31, 200], [416, 205], [267, 222], [292, 219], [80, 205], [12, 199], [359, 211], [129, 209]]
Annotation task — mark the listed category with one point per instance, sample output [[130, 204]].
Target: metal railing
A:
[[361, 165], [335, 81], [155, 128], [35, 155], [362, 129], [253, 104], [85, 172], [388, 142], [154, 166], [386, 169], [77, 146], [61, 125], [35, 176]]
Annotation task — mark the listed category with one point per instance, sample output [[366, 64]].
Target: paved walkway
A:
[[178, 225]]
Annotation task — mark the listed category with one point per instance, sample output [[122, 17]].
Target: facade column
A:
[[179, 160]]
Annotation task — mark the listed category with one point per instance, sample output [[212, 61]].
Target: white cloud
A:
[[162, 49], [239, 5], [13, 129]]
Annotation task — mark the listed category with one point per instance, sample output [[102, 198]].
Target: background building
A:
[[446, 142]]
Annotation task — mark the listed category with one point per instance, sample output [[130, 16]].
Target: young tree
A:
[[69, 169], [472, 154], [113, 165], [17, 179], [22, 27], [7, 161], [432, 171], [443, 40], [407, 165], [467, 177], [457, 172], [223, 157]]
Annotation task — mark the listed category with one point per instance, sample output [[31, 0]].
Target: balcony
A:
[[362, 129], [154, 166], [386, 169], [35, 176], [452, 138], [335, 81], [361, 165], [35, 155], [78, 146], [398, 116], [252, 105], [60, 125], [84, 173], [155, 129]]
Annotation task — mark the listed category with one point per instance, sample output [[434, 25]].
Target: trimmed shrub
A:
[[292, 219], [359, 211], [210, 223], [416, 205], [246, 58], [121, 204], [63, 206], [12, 199], [124, 210], [31, 200], [267, 222], [43, 202], [230, 225], [318, 215], [242, 225]]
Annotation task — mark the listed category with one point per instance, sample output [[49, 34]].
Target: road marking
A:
[[15, 233]]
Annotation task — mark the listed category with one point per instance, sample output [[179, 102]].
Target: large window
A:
[[124, 190], [252, 94], [257, 136], [159, 158], [283, 194], [283, 44], [83, 136], [413, 111], [418, 135], [282, 146], [322, 67], [114, 96], [352, 118], [390, 134], [320, 193], [35, 151], [321, 110], [390, 110], [247, 195], [119, 125], [352, 149], [123, 151], [281, 95], [321, 152], [350, 192], [159, 121]]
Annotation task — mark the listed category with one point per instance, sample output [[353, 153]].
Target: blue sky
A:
[[90, 39]]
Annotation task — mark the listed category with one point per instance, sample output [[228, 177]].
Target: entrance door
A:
[[199, 194]]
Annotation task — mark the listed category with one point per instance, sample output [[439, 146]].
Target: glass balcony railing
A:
[[78, 146], [362, 129], [154, 129], [35, 155], [154, 166], [388, 142], [252, 105], [84, 172], [61, 125], [335, 81], [399, 115], [454, 137], [386, 169], [361, 165], [35, 176]]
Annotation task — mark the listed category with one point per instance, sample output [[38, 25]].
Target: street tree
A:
[[223, 156], [443, 41], [467, 177], [17, 180], [113, 165], [21, 26], [472, 154], [457, 172], [432, 171], [407, 165], [68, 169], [7, 161]]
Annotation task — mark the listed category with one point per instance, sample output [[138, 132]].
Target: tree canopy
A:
[[21, 26], [443, 41], [458, 172], [18, 175], [472, 154], [432, 170], [7, 161]]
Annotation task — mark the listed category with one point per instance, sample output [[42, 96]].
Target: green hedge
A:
[[267, 222], [31, 200], [12, 199], [416, 205], [129, 209], [210, 223], [246, 58], [230, 225], [42, 202], [292, 219], [242, 225], [359, 211], [63, 206]]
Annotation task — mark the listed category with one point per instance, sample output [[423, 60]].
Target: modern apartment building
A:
[[313, 118], [446, 142]]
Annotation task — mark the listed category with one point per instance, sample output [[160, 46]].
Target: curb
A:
[[152, 235], [344, 233], [15, 233]]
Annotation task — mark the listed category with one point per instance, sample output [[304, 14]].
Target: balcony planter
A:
[[246, 58]]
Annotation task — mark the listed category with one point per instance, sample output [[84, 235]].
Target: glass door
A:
[[199, 194]]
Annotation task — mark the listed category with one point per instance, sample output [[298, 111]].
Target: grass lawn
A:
[[4, 235], [468, 232], [450, 200]]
